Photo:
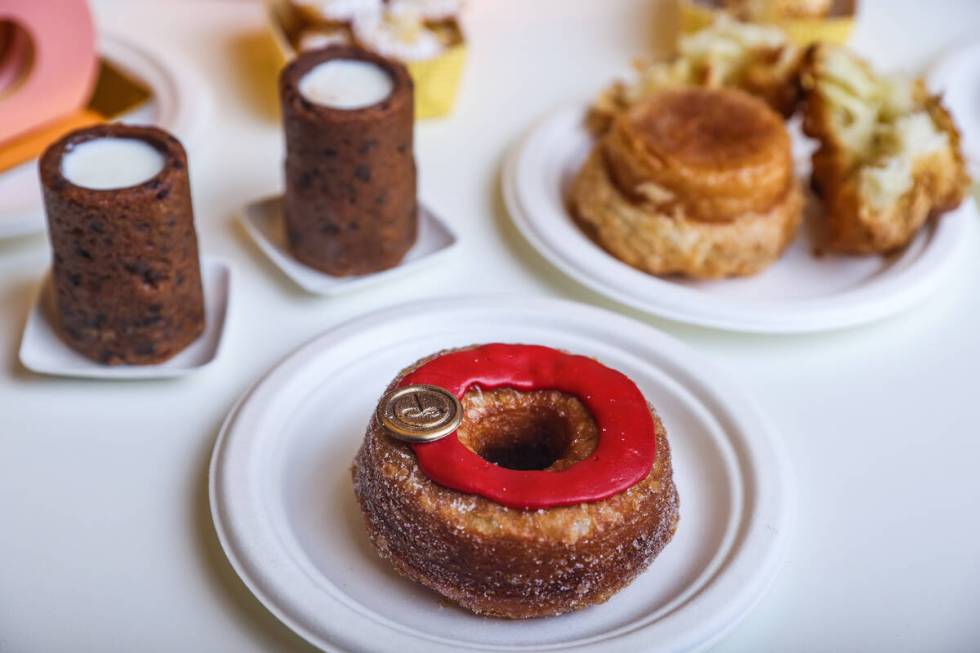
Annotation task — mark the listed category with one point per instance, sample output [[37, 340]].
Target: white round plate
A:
[[179, 104], [957, 78], [799, 293], [285, 512]]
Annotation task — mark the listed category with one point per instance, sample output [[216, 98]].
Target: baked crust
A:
[[757, 59], [889, 157], [672, 243], [507, 562], [125, 278], [715, 154], [350, 205]]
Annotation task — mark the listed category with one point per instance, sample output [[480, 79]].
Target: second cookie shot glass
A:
[[350, 204]]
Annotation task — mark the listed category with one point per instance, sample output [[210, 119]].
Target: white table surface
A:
[[106, 541]]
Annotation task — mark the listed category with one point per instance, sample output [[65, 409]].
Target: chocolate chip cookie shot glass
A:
[[126, 278], [350, 203]]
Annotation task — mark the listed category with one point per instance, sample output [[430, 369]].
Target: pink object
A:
[[56, 43]]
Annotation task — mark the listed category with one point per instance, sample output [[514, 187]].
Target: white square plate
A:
[[42, 351], [263, 222]]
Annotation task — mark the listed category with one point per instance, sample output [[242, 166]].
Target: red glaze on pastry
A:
[[627, 442]]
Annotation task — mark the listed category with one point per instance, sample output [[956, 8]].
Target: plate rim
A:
[[764, 454], [844, 310]]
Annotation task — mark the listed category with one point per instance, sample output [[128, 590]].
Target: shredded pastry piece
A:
[[758, 59], [889, 155]]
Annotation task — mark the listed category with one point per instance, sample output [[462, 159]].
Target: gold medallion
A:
[[420, 413]]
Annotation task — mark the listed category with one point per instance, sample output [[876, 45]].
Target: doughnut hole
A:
[[539, 430]]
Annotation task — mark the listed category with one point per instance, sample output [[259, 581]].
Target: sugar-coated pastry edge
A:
[[508, 562]]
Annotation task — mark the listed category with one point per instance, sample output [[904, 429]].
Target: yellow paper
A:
[[695, 16], [436, 80]]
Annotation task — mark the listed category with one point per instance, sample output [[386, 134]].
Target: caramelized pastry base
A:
[[674, 244]]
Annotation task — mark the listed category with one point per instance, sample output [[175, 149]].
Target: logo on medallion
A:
[[420, 413]]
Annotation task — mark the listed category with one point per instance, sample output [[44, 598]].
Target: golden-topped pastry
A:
[[695, 182], [758, 59], [889, 155], [714, 154]]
